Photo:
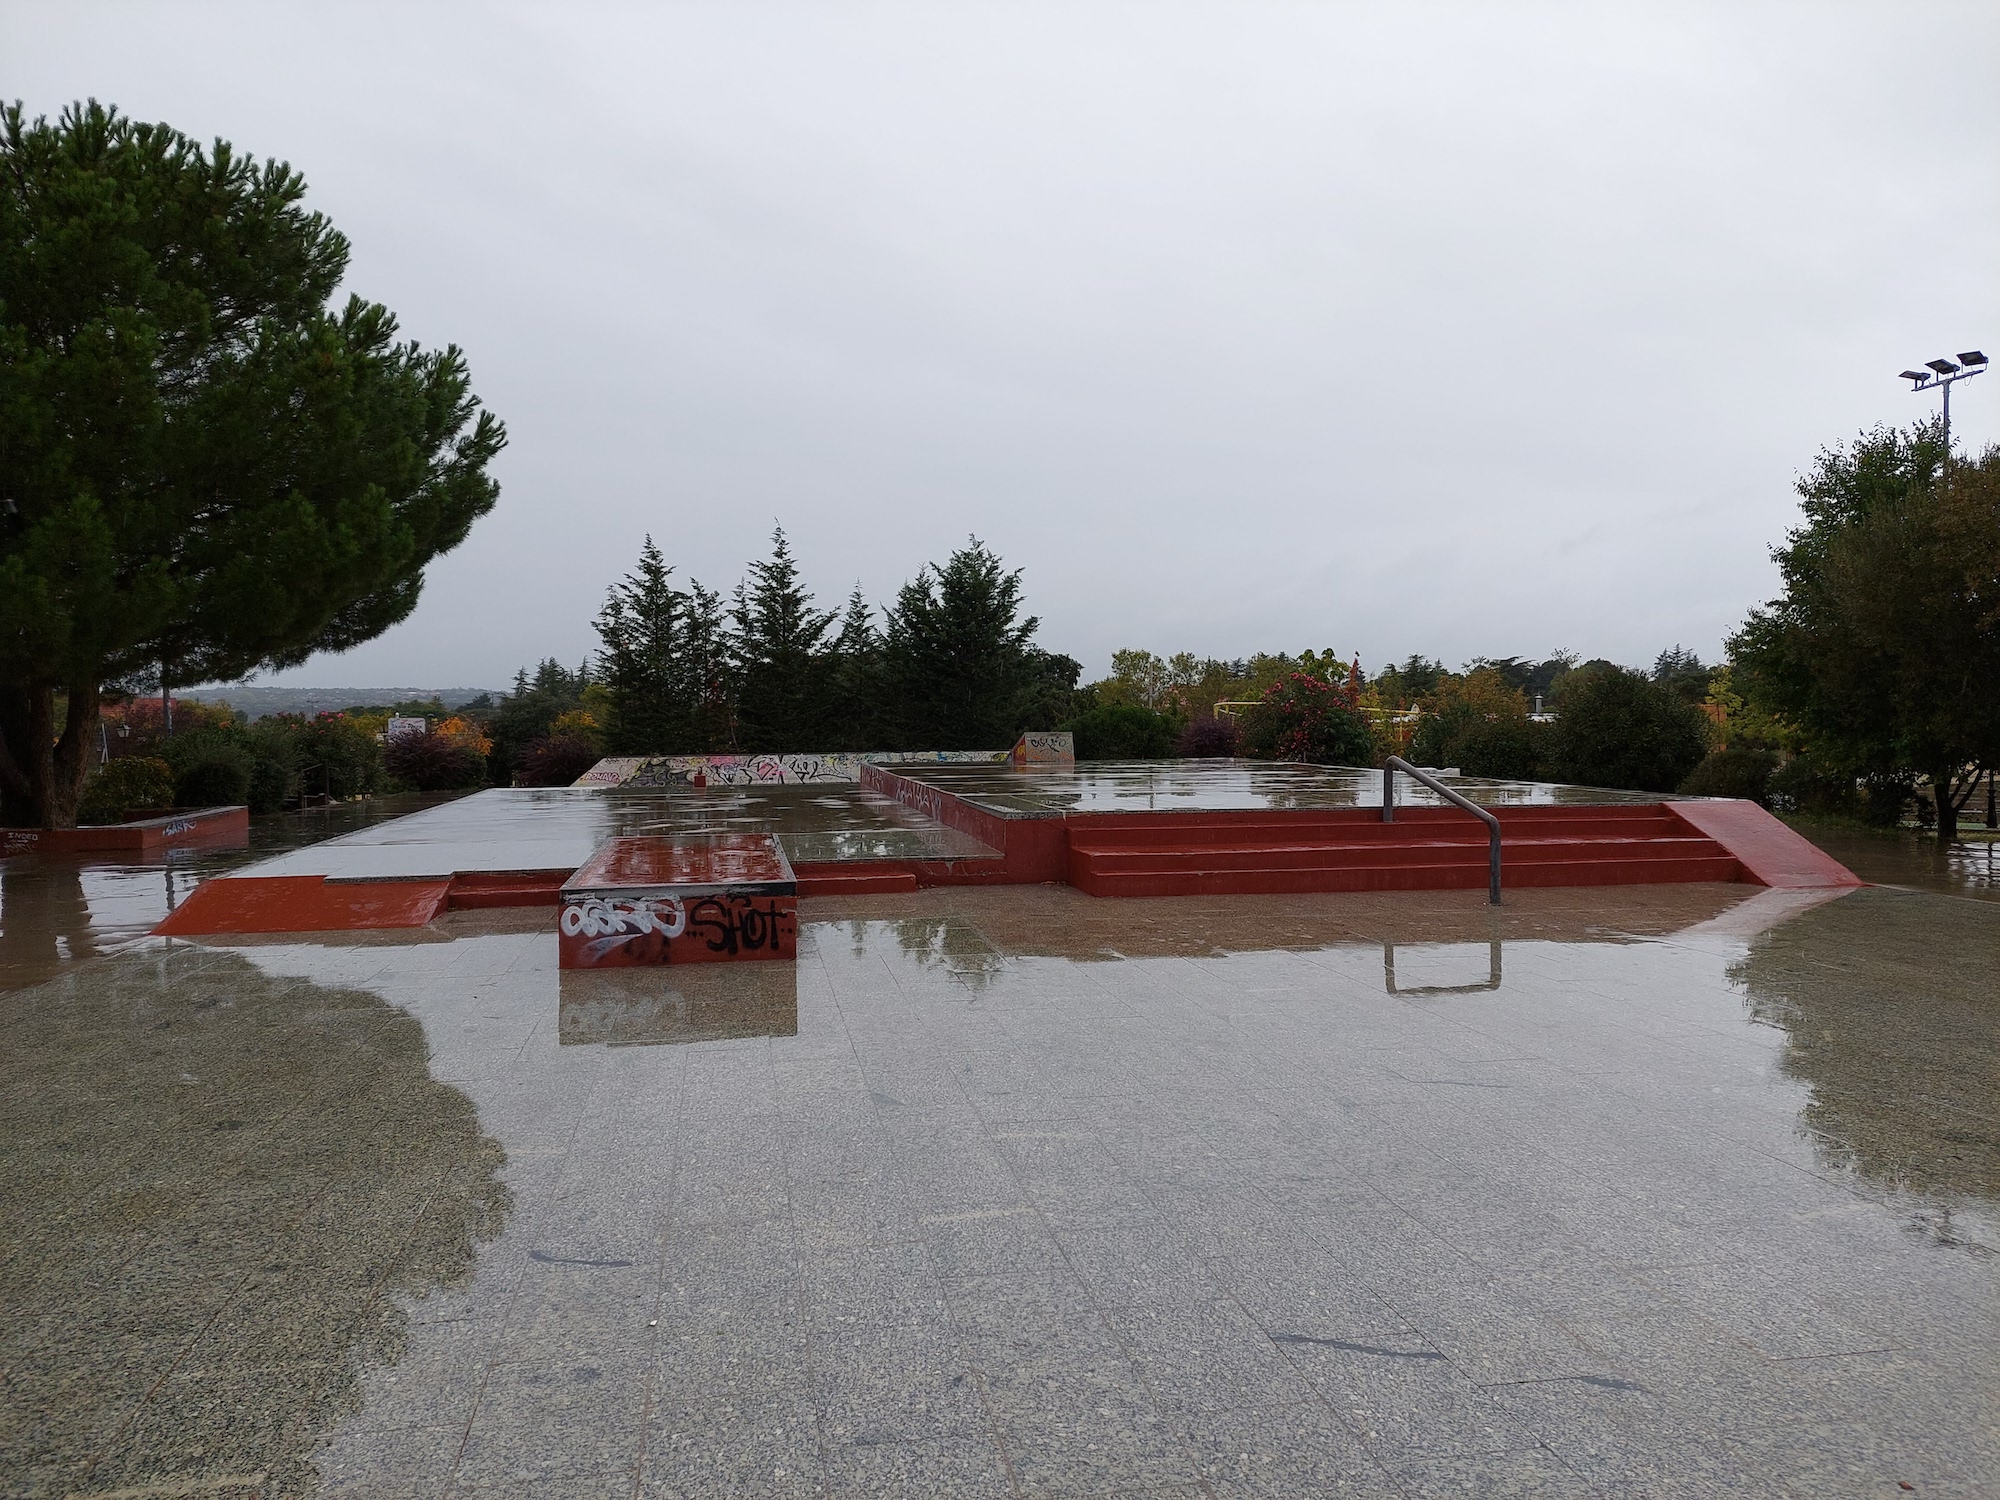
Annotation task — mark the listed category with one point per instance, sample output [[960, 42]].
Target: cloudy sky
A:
[[1453, 328]]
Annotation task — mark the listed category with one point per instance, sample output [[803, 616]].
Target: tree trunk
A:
[[1947, 808], [41, 773]]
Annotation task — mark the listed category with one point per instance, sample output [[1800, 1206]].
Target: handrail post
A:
[[1396, 763]]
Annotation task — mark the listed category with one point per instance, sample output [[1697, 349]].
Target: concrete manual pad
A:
[[652, 900]]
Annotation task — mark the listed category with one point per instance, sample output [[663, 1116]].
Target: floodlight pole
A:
[[1940, 375]]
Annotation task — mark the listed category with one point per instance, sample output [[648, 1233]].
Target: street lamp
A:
[[1942, 374]]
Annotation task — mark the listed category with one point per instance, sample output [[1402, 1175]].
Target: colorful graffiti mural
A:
[[1045, 748], [767, 770]]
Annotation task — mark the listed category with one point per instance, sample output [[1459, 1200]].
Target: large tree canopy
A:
[[205, 467], [1885, 646]]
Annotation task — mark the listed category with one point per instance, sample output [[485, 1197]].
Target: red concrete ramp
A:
[[1770, 853], [303, 903]]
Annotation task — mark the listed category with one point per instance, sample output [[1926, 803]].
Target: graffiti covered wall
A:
[[766, 770]]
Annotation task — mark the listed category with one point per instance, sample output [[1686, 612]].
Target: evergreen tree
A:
[[642, 662], [706, 657], [783, 686], [524, 715], [207, 464], [957, 656], [856, 674]]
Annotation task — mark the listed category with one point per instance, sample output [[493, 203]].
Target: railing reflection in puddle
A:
[[1432, 950]]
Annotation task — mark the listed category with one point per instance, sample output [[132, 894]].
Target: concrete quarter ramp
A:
[[1770, 853]]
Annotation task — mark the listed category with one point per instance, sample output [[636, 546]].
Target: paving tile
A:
[[1206, 1356], [1278, 1452], [556, 1420], [1085, 1429], [705, 1448], [1405, 1401], [916, 1471]]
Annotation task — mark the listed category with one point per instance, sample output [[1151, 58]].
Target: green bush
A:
[[1304, 719], [274, 776], [432, 762], [1123, 731], [1886, 796], [218, 777], [119, 785], [1480, 725], [336, 755], [1735, 772], [1803, 785], [1615, 728]]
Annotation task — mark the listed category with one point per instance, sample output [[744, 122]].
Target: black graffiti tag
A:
[[738, 924]]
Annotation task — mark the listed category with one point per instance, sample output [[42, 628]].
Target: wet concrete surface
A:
[[1916, 861], [1635, 1191], [1224, 786], [56, 910], [558, 828]]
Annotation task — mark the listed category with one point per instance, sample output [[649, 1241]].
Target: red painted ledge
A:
[[303, 903], [199, 827], [1770, 853]]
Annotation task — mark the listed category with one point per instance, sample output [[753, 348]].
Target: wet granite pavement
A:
[[1147, 786], [1686, 1190]]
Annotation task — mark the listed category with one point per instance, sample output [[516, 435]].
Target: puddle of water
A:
[[1970, 867], [57, 910], [250, 1186]]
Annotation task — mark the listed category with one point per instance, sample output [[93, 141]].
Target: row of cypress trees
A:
[[952, 665]]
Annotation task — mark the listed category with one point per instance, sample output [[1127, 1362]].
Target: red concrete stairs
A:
[[1426, 848]]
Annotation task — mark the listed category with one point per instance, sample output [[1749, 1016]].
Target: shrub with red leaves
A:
[[1304, 719]]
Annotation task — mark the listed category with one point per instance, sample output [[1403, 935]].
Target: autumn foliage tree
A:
[[206, 467]]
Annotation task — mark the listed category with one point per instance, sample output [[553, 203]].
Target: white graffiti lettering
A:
[[597, 917]]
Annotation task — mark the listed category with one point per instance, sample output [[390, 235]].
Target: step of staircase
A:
[[1366, 825], [1245, 855], [1414, 875], [1425, 848]]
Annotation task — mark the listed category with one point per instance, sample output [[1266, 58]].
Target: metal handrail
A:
[[1396, 763]]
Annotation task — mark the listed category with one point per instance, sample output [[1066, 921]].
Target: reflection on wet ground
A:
[[1969, 867], [1893, 1017], [558, 828], [58, 909], [1014, 1192], [1222, 785], [224, 1193]]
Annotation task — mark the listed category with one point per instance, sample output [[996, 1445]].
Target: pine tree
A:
[[957, 658], [706, 667], [210, 466], [642, 663], [783, 687], [856, 677]]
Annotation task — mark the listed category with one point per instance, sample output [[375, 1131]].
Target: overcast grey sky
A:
[[1456, 328]]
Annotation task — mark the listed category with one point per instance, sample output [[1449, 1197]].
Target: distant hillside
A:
[[259, 701]]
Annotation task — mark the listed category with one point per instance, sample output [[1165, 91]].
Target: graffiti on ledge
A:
[[619, 932], [766, 770]]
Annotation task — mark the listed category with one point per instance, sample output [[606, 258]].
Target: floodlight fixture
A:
[[1943, 375]]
